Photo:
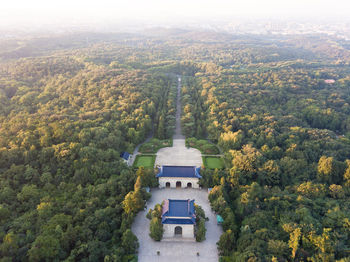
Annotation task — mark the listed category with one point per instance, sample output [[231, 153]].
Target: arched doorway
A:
[[167, 184], [178, 184], [189, 185], [178, 231]]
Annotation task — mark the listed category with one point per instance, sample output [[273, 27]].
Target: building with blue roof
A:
[[179, 176], [125, 155], [178, 218]]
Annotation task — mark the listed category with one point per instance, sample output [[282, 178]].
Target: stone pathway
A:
[[178, 133], [178, 251], [178, 154]]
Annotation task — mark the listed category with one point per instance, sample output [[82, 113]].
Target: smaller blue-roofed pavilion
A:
[[178, 218], [125, 155], [178, 212]]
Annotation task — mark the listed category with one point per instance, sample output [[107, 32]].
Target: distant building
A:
[[329, 81], [178, 218], [179, 176]]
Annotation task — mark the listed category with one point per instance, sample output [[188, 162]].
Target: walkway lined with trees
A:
[[178, 154], [180, 250]]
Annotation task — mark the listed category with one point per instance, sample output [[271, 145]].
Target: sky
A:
[[90, 11]]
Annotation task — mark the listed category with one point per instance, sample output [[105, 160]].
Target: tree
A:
[[9, 245], [200, 230], [148, 179], [234, 177], [330, 170], [313, 190], [347, 174], [294, 239], [133, 202], [246, 160], [270, 173], [138, 184], [278, 248], [44, 248], [29, 194], [324, 245], [226, 243], [336, 191], [229, 220], [130, 243], [156, 229], [231, 140], [161, 130]]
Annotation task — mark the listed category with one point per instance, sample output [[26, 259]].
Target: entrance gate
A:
[[178, 231]]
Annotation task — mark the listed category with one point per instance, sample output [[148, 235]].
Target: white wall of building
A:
[[183, 180], [187, 230]]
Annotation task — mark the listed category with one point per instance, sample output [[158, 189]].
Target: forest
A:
[[69, 106]]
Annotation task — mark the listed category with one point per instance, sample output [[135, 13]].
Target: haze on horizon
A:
[[87, 12]]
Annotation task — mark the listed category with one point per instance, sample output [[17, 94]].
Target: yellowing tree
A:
[[293, 242]]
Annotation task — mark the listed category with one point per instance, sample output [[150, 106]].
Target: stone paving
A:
[[179, 155], [177, 251]]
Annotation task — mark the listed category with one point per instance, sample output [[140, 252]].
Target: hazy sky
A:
[[85, 11]]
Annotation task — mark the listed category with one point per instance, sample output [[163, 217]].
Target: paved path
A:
[[177, 251], [178, 154], [178, 133]]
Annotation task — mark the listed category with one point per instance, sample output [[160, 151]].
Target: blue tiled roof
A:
[[181, 221], [178, 212], [179, 171], [125, 155], [180, 208]]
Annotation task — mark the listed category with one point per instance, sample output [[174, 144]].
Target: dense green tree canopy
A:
[[68, 109]]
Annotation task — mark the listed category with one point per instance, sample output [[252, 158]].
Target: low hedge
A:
[[202, 145], [154, 145]]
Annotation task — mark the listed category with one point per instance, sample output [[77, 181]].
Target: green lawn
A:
[[213, 162], [145, 161]]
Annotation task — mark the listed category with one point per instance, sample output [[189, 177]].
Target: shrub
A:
[[130, 243], [209, 149], [200, 224], [156, 226], [200, 230], [203, 145], [156, 229], [229, 220], [157, 212], [149, 214], [199, 213], [226, 243]]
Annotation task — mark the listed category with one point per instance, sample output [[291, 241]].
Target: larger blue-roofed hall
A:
[[179, 176]]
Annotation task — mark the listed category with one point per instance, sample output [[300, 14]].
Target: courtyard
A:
[[172, 250]]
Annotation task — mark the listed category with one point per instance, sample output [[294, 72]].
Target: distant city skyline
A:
[[39, 12]]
